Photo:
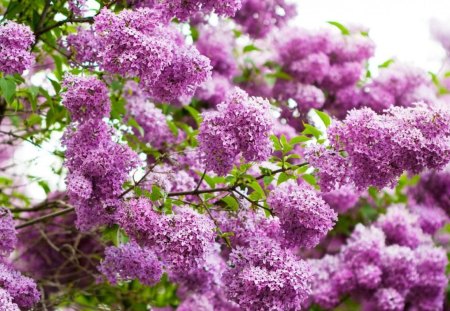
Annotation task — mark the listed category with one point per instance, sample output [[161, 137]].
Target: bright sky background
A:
[[400, 28]]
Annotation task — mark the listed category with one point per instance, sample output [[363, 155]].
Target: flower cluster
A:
[[379, 148], [152, 121], [139, 44], [263, 276], [83, 46], [130, 261], [384, 275], [259, 17], [241, 125], [78, 7], [319, 62], [186, 9], [15, 45], [7, 232], [20, 289], [305, 217], [98, 166]]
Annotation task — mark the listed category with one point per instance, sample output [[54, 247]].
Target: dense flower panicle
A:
[[433, 190], [179, 79], [380, 148], [83, 46], [430, 218], [259, 17], [400, 227], [196, 302], [22, 289], [86, 98], [15, 46], [153, 122], [6, 301], [217, 44], [399, 267], [264, 276], [305, 217], [130, 261], [241, 125], [139, 44], [8, 239]]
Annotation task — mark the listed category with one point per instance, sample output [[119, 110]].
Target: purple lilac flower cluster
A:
[[305, 218], [241, 125], [384, 275], [98, 166], [15, 46], [7, 232], [83, 46], [259, 17], [140, 44], [380, 147]]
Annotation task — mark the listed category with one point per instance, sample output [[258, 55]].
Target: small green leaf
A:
[[250, 48], [231, 203], [8, 88], [299, 139], [344, 30], [132, 122], [282, 178], [310, 179], [195, 114], [324, 117], [311, 130], [276, 143], [387, 63], [257, 187]]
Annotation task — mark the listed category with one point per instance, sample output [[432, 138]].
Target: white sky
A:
[[400, 28]]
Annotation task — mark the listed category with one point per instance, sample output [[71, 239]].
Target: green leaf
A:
[[311, 130], [310, 179], [324, 117], [276, 143], [250, 48], [231, 202], [279, 75], [8, 88], [282, 178], [387, 63], [299, 139], [132, 122], [344, 30], [257, 187], [195, 114]]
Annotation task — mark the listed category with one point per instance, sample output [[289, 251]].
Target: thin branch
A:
[[39, 32], [45, 217]]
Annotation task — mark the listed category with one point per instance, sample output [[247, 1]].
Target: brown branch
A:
[[45, 217], [39, 32]]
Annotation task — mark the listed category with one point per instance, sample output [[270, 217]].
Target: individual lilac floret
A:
[[305, 217], [85, 98], [22, 289], [8, 239], [389, 299], [130, 261], [15, 46], [400, 227], [83, 47], [217, 44], [259, 17], [264, 276], [6, 301], [241, 125], [153, 122]]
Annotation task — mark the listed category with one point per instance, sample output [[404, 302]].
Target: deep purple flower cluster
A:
[[98, 166], [186, 9], [21, 289], [15, 45], [241, 125], [380, 273], [305, 218], [263, 276], [259, 17], [183, 240], [130, 261], [379, 148], [8, 239], [83, 46], [139, 44]]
